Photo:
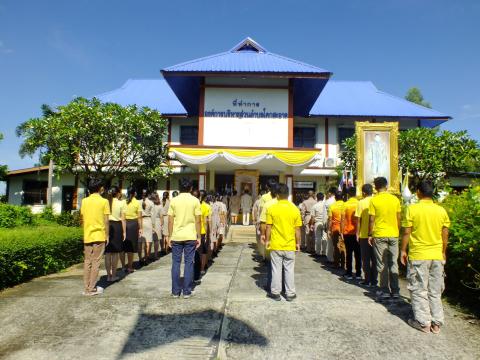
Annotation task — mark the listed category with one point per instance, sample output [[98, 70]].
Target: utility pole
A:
[[50, 181]]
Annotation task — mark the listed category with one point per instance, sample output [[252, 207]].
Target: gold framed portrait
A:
[[377, 153]]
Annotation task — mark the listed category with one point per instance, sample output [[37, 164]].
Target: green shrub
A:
[[69, 219], [47, 214], [463, 256], [28, 252], [12, 215]]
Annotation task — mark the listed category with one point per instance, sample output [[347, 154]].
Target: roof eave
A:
[[269, 74], [444, 118], [27, 170]]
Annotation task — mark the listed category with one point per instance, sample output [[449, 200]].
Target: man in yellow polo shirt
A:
[[383, 231], [369, 264], [94, 211], [283, 236], [184, 225], [426, 234], [263, 232]]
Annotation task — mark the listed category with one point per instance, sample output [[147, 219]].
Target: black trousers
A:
[[353, 248]]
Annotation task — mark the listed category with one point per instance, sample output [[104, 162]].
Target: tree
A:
[[428, 154], [431, 154], [3, 168], [349, 155], [105, 140], [414, 95]]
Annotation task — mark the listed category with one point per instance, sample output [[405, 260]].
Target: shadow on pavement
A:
[[398, 307], [154, 330]]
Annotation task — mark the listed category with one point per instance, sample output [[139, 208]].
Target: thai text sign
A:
[[246, 117]]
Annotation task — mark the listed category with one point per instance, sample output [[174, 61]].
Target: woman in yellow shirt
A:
[[133, 216], [117, 226]]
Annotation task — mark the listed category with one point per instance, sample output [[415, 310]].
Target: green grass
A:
[[28, 252]]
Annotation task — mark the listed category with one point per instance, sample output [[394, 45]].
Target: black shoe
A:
[[291, 297], [275, 297]]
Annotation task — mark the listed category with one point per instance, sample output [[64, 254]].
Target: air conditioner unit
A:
[[330, 162]]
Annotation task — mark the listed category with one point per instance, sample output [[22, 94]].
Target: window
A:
[[304, 137], [343, 134], [189, 135], [34, 192]]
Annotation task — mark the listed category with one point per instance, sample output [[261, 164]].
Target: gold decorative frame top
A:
[[392, 128]]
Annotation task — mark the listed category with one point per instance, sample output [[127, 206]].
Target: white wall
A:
[[15, 190]]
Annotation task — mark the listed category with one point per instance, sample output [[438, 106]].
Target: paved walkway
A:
[[228, 318]]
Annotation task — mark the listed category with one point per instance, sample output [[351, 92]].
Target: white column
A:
[[289, 182], [202, 177]]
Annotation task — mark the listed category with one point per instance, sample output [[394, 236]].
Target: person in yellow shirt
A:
[[334, 218], [117, 232], [203, 250], [383, 230], [133, 216], [348, 231], [184, 225], [369, 264], [283, 236], [94, 211], [426, 235], [263, 249]]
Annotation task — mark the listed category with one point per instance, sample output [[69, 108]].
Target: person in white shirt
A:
[[318, 221], [246, 206], [145, 240], [328, 202]]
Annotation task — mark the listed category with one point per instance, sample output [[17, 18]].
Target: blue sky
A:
[[52, 51]]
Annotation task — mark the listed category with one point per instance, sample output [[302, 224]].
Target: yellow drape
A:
[[289, 157]]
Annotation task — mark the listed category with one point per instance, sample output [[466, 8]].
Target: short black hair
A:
[[425, 187], [367, 189], [338, 195], [320, 196], [94, 185], [332, 190], [380, 182], [234, 192], [274, 190], [282, 190], [271, 183], [185, 185], [351, 191]]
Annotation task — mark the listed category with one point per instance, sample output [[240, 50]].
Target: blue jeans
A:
[[187, 248]]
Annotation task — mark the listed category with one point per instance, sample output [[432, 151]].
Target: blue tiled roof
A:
[[154, 93], [246, 57], [338, 98], [362, 98]]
